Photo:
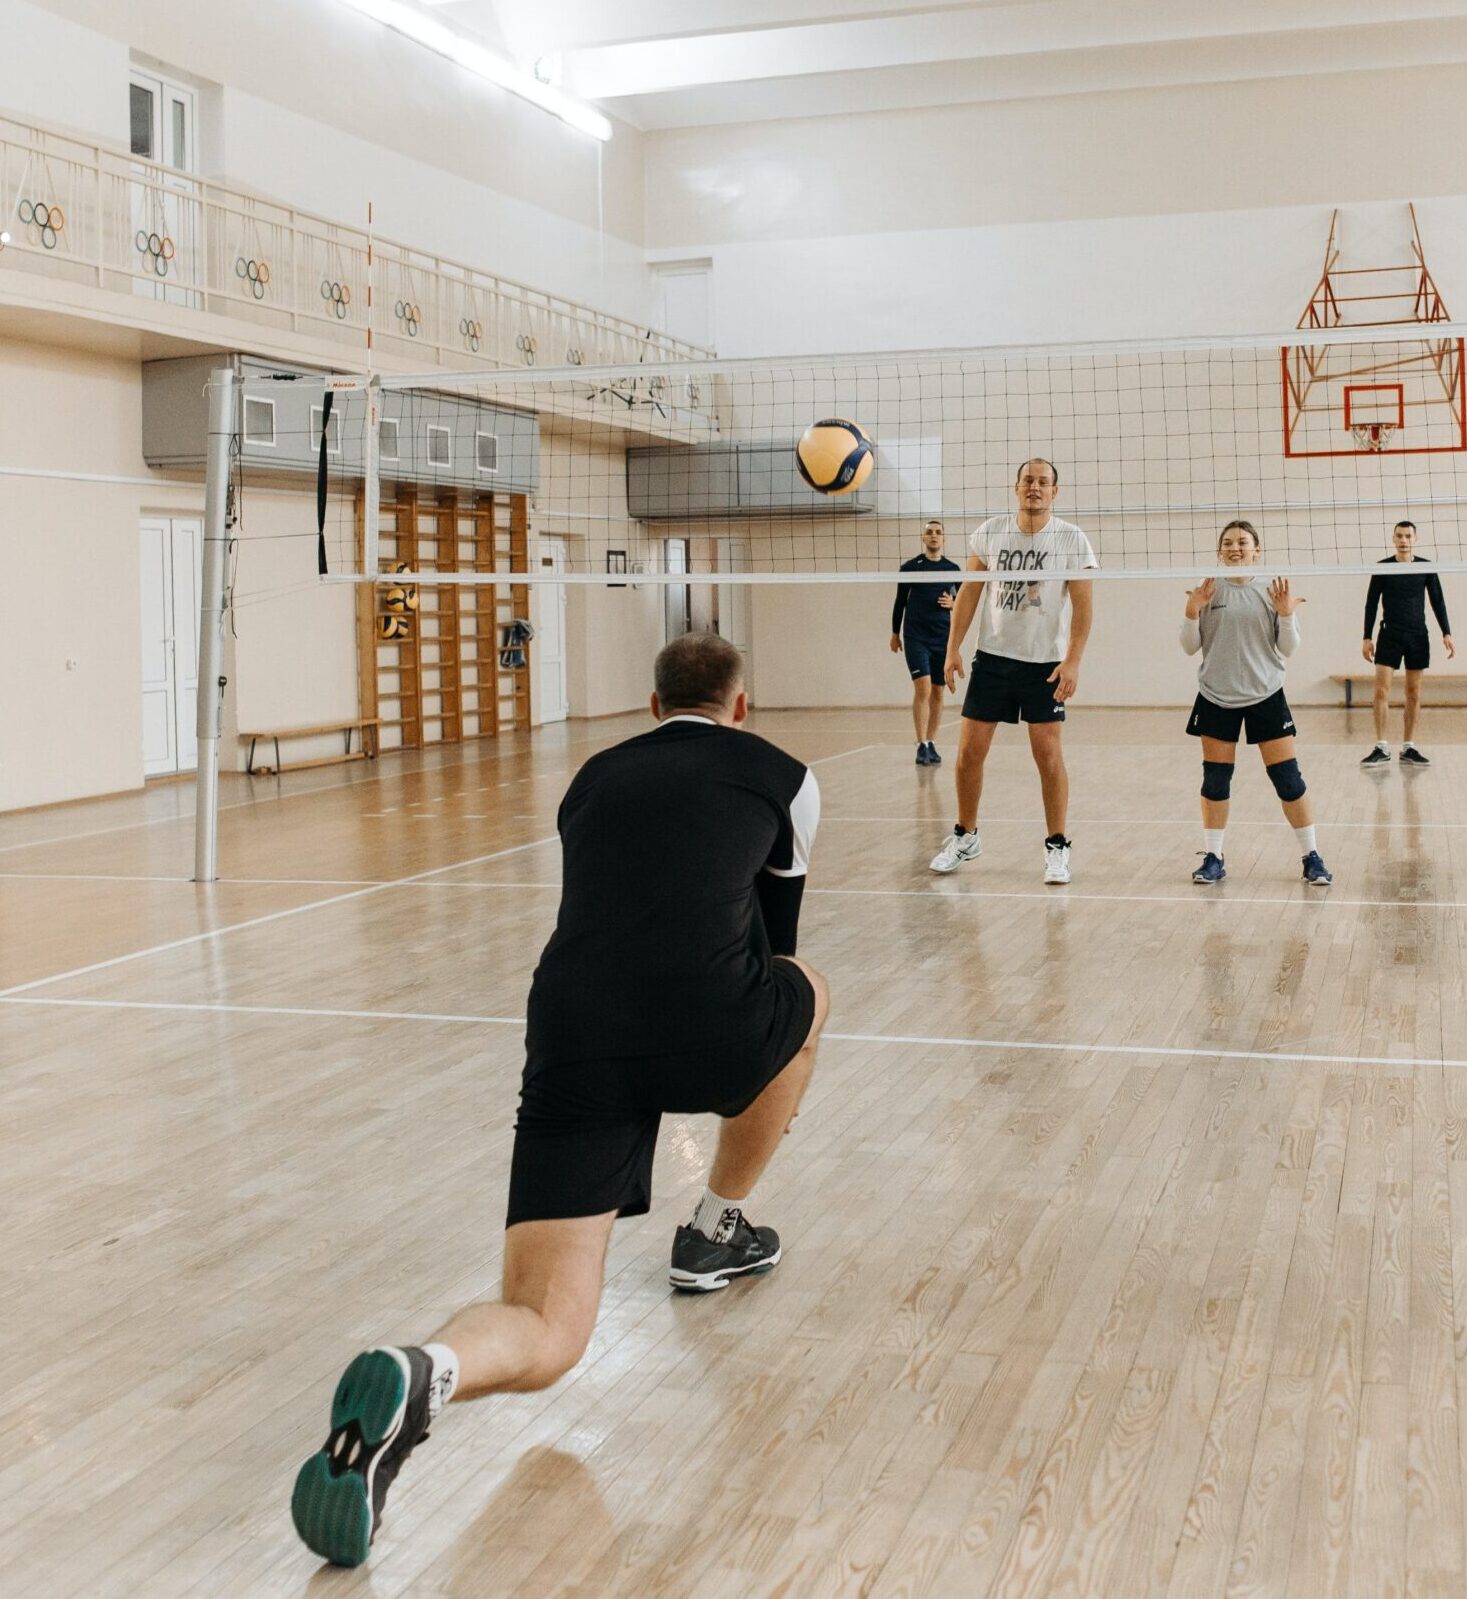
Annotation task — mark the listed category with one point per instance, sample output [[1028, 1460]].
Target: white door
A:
[[685, 300], [161, 128], [171, 573], [734, 620], [677, 599], [551, 700]]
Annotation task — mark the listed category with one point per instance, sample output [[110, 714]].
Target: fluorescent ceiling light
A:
[[423, 30]]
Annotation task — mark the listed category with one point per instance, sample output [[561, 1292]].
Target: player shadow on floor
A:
[[549, 1499]]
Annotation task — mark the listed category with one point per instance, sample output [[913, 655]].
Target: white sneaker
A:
[[1056, 863], [955, 850]]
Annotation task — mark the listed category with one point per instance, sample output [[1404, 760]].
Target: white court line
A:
[[1028, 1046], [295, 910], [1128, 899], [1148, 1049], [260, 921], [1123, 821], [262, 1010], [326, 788], [944, 895]]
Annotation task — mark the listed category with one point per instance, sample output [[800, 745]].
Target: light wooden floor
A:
[[1126, 1224]]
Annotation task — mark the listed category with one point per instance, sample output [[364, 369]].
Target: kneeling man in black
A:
[[670, 984]]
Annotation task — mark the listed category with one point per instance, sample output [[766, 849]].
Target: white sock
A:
[[1305, 835], [1383, 744], [1212, 840], [1409, 744], [444, 1381], [716, 1217]]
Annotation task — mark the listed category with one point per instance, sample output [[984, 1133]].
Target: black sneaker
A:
[[922, 756], [1411, 756], [933, 758], [1378, 757], [379, 1415], [699, 1266]]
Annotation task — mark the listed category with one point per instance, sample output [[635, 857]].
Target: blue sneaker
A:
[[1211, 870], [1315, 871], [934, 759], [922, 756]]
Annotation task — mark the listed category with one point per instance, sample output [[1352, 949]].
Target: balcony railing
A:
[[88, 214]]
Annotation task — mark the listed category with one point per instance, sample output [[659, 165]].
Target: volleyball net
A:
[[652, 473]]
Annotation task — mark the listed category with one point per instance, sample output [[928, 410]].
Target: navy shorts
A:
[[925, 656], [1267, 720], [587, 1130], [1411, 650], [1001, 689]]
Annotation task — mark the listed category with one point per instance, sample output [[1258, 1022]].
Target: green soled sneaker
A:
[[379, 1415]]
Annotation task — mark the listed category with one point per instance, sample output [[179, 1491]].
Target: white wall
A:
[[612, 634], [1110, 215], [320, 107], [70, 548], [830, 646]]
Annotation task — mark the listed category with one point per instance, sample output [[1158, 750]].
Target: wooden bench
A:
[[1454, 681], [365, 726]]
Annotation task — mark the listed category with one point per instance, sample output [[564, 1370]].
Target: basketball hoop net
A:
[[1373, 436]]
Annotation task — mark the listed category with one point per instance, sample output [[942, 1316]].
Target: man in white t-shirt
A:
[[1031, 635]]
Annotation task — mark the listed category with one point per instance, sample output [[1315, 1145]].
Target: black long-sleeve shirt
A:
[[917, 602], [1402, 600]]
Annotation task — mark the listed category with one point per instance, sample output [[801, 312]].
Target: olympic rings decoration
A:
[[339, 294], [472, 331], [574, 357], [255, 273], [49, 219], [410, 315], [158, 248], [526, 344]]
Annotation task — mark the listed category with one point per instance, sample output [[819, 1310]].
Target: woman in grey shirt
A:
[[1246, 631]]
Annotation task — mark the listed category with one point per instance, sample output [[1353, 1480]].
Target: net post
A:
[[211, 623], [371, 482]]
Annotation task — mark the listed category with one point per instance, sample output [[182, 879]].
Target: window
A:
[[333, 441], [259, 421], [387, 439], [440, 451], [486, 452], [160, 118]]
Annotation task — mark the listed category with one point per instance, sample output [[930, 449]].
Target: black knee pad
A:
[[1217, 779], [1287, 779]]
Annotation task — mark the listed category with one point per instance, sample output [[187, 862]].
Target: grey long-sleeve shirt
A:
[[1244, 644]]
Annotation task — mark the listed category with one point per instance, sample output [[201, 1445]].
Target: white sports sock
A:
[[1409, 744], [1212, 840], [1305, 835], [444, 1381], [1383, 744], [716, 1217]]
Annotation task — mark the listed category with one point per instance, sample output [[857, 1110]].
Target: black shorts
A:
[[1001, 689], [1411, 650], [587, 1130], [1268, 719], [925, 656]]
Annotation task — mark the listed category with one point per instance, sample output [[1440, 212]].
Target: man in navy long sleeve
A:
[[1403, 641], [919, 626]]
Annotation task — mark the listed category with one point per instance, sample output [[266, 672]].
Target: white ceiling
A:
[[680, 63]]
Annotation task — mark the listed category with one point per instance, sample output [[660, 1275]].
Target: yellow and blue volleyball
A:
[[835, 456]]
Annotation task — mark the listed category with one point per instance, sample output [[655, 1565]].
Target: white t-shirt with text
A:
[[1017, 617]]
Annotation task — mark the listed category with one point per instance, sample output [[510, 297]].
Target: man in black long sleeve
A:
[[920, 618], [670, 984], [1403, 640]]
